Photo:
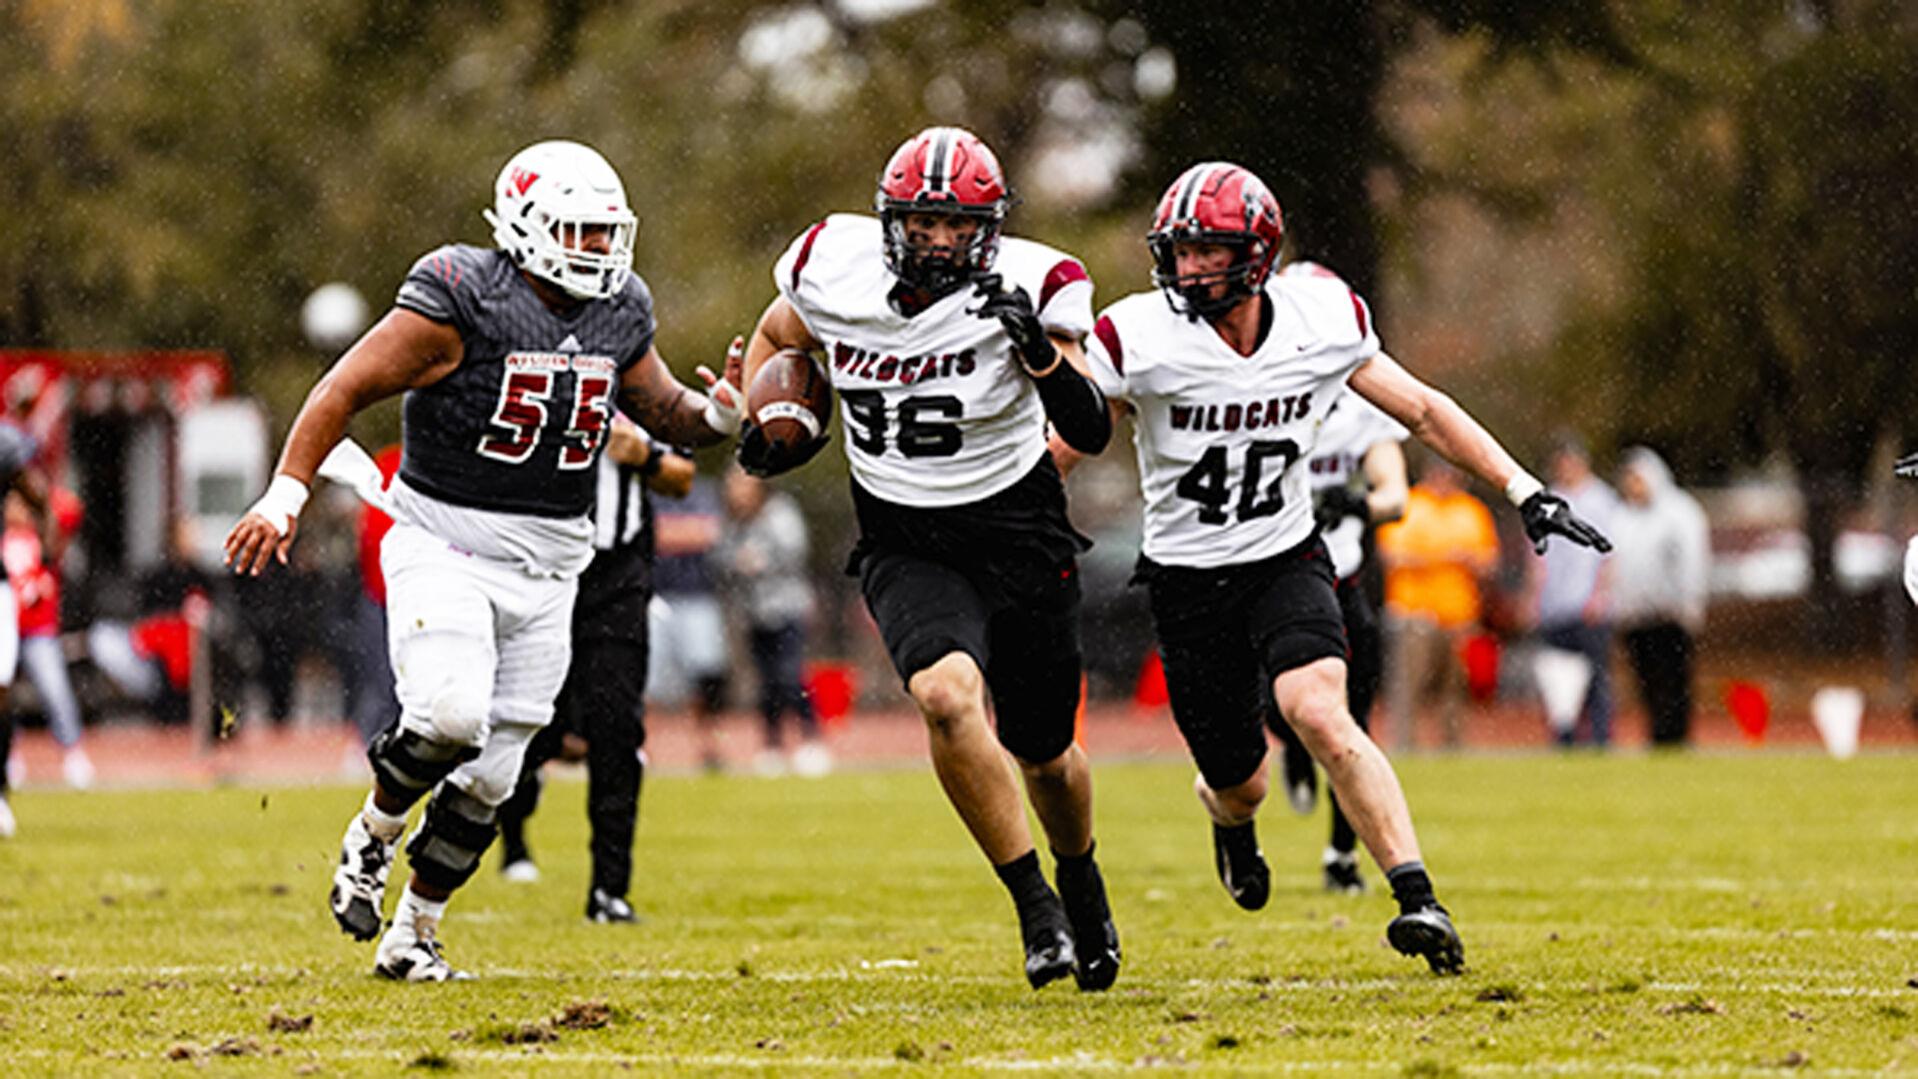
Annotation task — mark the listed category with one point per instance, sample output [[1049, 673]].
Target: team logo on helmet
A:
[[942, 170], [560, 212], [1216, 202]]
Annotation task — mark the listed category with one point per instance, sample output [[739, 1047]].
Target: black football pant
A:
[[1661, 655], [602, 701]]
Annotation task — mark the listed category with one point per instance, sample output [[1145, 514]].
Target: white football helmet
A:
[[545, 199]]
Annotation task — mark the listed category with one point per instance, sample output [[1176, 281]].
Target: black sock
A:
[[1078, 874], [1411, 887], [1024, 879]]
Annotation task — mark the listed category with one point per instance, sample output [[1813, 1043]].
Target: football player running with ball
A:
[[1230, 372], [511, 361], [951, 346]]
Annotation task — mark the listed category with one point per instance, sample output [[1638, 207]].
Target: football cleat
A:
[[520, 871], [7, 825], [1047, 935], [605, 909], [406, 956], [359, 883], [1428, 932], [1095, 939], [1301, 779], [1342, 873], [1241, 864]]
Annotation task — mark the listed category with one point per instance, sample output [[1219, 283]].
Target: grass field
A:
[[1697, 915]]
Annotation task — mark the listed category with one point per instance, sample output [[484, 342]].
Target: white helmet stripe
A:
[[939, 163]]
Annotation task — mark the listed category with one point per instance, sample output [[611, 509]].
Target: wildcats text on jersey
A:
[[1250, 416], [906, 370]]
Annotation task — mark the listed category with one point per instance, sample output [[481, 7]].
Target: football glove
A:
[[1906, 467], [1013, 308], [1334, 504], [762, 457], [1547, 514]]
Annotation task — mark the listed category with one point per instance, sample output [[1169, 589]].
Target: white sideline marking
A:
[[1734, 985]]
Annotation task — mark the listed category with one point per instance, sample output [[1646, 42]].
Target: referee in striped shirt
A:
[[603, 701]]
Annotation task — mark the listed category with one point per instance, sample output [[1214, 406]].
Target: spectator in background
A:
[[689, 658], [17, 451], [1572, 588], [1659, 580], [32, 550], [763, 555], [1435, 558]]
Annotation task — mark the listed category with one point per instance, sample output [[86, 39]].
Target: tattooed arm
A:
[[654, 399]]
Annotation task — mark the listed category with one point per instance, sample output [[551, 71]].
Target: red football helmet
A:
[[1221, 203], [942, 170]]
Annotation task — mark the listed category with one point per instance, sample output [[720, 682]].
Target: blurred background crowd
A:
[[1668, 251]]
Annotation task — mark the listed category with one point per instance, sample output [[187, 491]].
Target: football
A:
[[791, 400]]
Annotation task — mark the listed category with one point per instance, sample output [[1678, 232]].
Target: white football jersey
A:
[[1350, 430], [936, 408], [1222, 437]]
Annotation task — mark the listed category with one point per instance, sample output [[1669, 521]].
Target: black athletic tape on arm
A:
[[1076, 408]]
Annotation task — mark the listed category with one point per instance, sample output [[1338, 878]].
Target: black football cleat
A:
[[1047, 935], [604, 908], [1428, 932], [1095, 938], [1342, 874], [1241, 865]]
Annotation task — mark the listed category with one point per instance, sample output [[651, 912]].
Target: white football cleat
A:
[[77, 769], [523, 871], [812, 760], [7, 823], [409, 956], [359, 881]]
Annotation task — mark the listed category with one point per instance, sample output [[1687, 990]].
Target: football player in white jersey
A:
[[951, 346], [511, 360], [1230, 373]]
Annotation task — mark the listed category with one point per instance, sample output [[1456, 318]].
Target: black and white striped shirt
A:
[[622, 510]]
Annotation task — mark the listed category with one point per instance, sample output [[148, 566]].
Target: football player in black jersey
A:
[[511, 361]]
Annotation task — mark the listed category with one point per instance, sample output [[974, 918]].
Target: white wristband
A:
[[1521, 487], [285, 497], [722, 418]]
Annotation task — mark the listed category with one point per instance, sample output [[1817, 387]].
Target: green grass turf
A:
[[1699, 915]]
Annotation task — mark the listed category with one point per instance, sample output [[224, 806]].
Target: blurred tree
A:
[[1293, 93], [1766, 254]]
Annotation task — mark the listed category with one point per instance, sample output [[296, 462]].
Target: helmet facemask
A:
[[917, 267], [1191, 295]]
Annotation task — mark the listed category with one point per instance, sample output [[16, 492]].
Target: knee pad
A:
[[1038, 725], [458, 713], [454, 832], [408, 764]]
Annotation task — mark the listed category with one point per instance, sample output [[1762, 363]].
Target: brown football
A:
[[790, 399]]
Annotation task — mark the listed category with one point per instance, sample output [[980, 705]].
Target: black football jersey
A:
[[518, 426]]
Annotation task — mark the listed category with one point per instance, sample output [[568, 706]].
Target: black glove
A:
[[762, 457], [1906, 467], [1334, 504], [1547, 514], [1014, 310]]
